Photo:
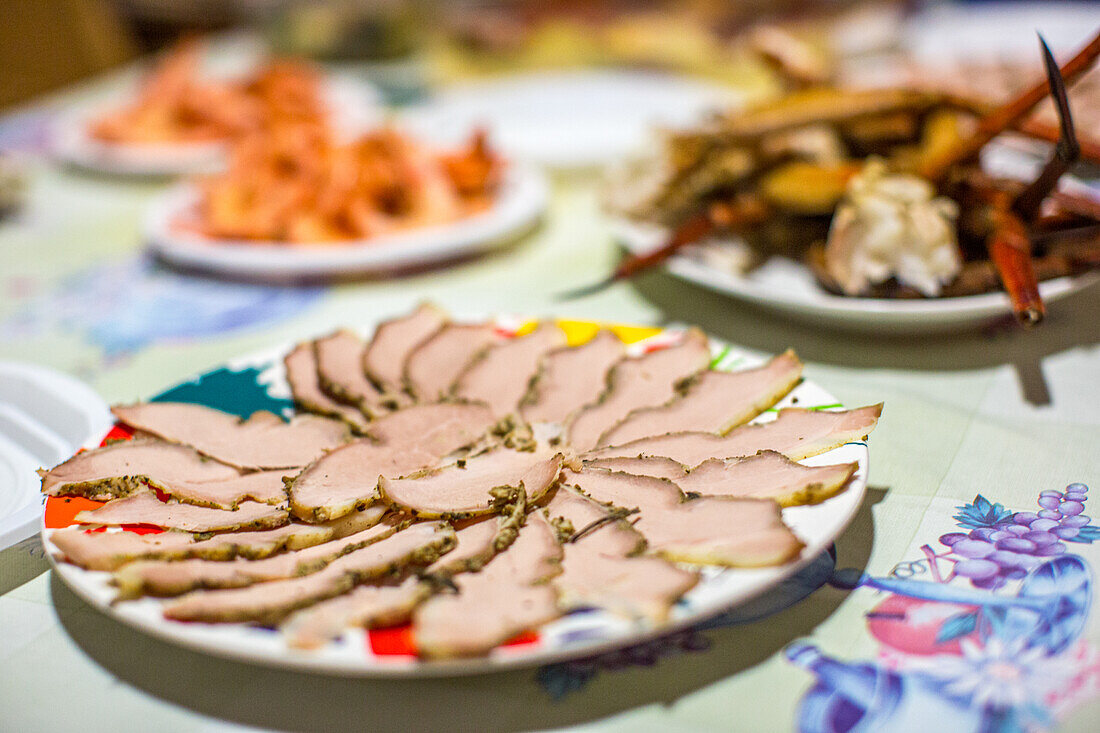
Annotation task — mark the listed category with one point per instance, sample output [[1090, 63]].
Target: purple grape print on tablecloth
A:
[[1002, 545]]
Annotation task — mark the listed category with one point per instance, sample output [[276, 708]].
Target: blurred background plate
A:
[[519, 204], [45, 417], [571, 119], [355, 103]]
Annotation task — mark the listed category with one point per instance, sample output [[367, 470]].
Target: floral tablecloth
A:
[[960, 598]]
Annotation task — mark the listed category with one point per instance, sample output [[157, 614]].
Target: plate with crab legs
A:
[[871, 209]]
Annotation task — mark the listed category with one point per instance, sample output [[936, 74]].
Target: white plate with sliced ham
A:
[[457, 497]]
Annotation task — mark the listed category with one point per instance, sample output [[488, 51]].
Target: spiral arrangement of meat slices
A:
[[473, 483]]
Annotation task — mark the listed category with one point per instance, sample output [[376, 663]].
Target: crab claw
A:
[[1066, 152], [1010, 252]]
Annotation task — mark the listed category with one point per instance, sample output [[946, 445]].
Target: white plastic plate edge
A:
[[720, 590], [55, 416], [519, 203]]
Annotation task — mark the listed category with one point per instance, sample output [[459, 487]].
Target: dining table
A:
[[976, 425]]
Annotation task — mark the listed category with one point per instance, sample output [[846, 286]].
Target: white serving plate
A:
[[788, 287], [519, 203], [45, 417], [576, 635]]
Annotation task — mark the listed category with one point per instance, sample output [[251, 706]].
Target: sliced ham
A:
[[654, 466], [146, 508], [368, 606], [262, 486], [340, 372], [636, 587], [471, 487], [713, 402], [121, 468], [383, 605], [356, 520], [768, 475], [572, 377], [796, 433], [263, 441], [501, 375], [434, 365], [591, 523], [644, 381], [269, 603], [509, 595], [301, 374], [173, 578], [713, 530], [480, 539], [111, 550], [438, 428], [416, 437], [393, 341]]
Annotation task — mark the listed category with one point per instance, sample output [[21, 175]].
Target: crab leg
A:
[[1066, 152], [1008, 114], [740, 212], [1010, 251]]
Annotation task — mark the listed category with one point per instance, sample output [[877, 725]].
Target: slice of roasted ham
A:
[[501, 374], [368, 606], [768, 475], [712, 402], [600, 566], [434, 365], [263, 441], [340, 372], [111, 550], [145, 508], [796, 433], [383, 605], [173, 578], [118, 469], [393, 341], [571, 378], [300, 366], [269, 603], [644, 381], [266, 487], [410, 439], [509, 595], [713, 530], [473, 486]]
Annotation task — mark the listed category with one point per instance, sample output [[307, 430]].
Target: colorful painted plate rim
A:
[[519, 203], [818, 526]]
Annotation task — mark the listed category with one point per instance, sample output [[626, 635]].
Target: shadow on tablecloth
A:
[[513, 700]]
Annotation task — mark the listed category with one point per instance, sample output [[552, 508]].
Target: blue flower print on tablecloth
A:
[[990, 641], [122, 307]]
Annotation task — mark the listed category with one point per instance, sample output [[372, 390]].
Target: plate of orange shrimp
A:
[[180, 120], [299, 201]]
